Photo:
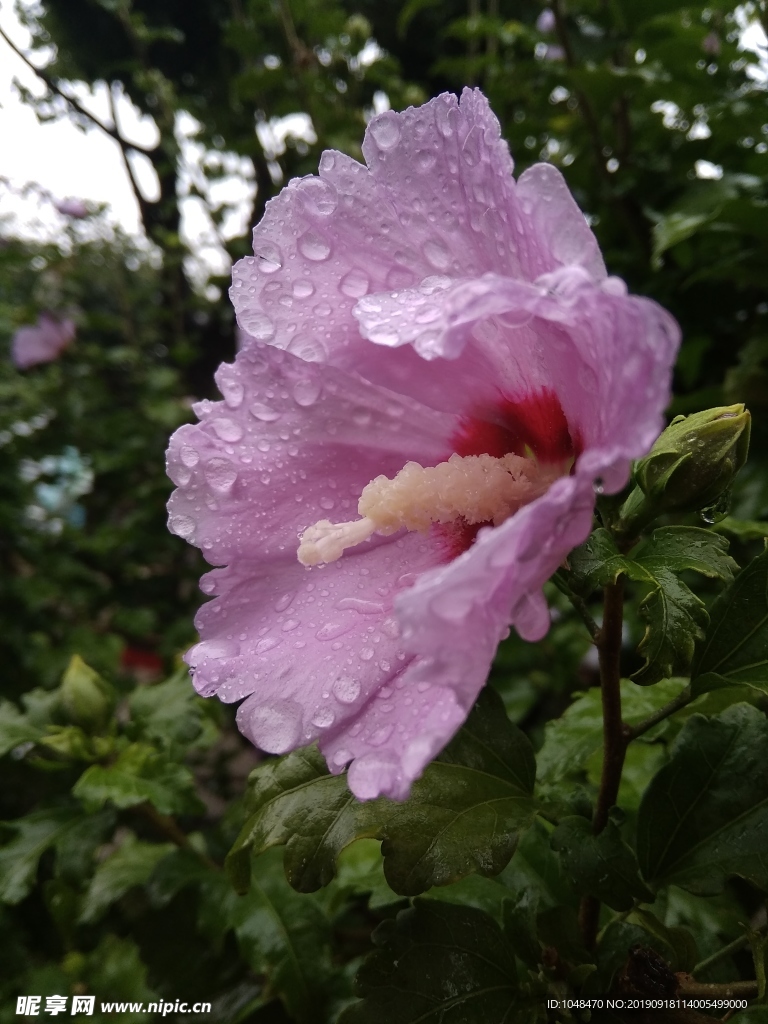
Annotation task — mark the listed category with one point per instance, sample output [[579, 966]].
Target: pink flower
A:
[[428, 309], [711, 44], [545, 22], [42, 343], [75, 208]]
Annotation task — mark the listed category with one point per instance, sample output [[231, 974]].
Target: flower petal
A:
[[292, 443], [605, 355], [308, 647], [437, 197], [395, 737]]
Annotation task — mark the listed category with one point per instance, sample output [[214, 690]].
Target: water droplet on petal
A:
[[266, 644], [257, 325], [268, 256], [303, 289], [227, 429], [366, 654], [314, 247], [182, 526], [381, 735], [189, 456], [323, 718], [311, 350], [221, 475], [355, 284], [446, 115], [233, 392], [306, 392], [263, 412], [342, 757], [346, 690], [275, 728], [282, 603], [385, 130], [179, 474], [211, 650], [426, 159], [437, 254], [372, 775], [319, 196], [290, 624], [359, 605]]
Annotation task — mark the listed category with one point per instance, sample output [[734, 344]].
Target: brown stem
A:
[[632, 216], [680, 701], [615, 738], [54, 86], [686, 986], [141, 202], [169, 828], [578, 603]]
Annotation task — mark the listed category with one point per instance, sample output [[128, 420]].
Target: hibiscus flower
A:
[[42, 342], [440, 375]]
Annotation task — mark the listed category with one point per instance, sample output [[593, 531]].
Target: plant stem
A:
[[721, 954], [615, 738], [578, 603], [745, 989], [680, 701], [168, 827]]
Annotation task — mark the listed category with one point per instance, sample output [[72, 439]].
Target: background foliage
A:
[[123, 792]]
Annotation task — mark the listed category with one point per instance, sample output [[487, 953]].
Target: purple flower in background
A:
[[75, 208], [42, 343], [554, 52], [711, 44], [545, 22], [440, 376]]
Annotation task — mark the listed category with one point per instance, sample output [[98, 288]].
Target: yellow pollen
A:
[[475, 488]]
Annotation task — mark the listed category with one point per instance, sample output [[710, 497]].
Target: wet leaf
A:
[[704, 816]]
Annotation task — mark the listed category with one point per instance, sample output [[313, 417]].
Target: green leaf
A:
[[603, 866], [171, 715], [571, 740], [15, 728], [131, 864], [677, 945], [705, 814], [76, 847], [464, 814], [675, 617], [675, 228], [467, 811], [86, 699], [753, 1015], [742, 529], [139, 774], [595, 563], [115, 972], [286, 936], [34, 834], [173, 873], [437, 962], [736, 646]]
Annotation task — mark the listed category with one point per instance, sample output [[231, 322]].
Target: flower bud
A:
[[85, 698], [695, 459]]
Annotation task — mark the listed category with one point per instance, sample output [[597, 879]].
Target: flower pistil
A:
[[475, 488]]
